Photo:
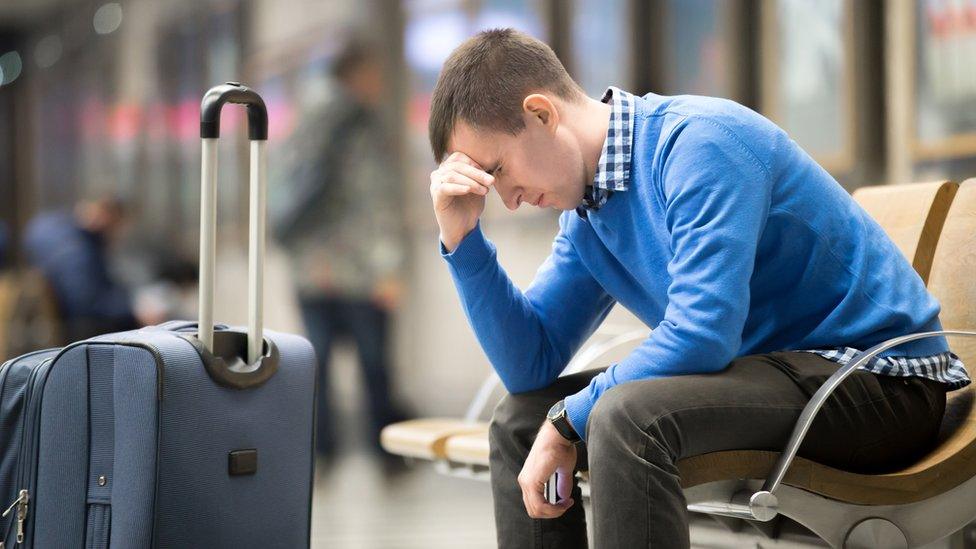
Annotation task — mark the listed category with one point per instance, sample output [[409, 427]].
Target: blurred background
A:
[[100, 156]]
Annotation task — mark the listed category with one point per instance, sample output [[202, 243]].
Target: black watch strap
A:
[[557, 416]]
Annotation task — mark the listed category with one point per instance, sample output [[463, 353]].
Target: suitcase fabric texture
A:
[[167, 436]]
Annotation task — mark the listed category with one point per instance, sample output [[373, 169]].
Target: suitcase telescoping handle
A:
[[257, 129]]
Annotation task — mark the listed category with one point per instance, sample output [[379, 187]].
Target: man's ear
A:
[[537, 107]]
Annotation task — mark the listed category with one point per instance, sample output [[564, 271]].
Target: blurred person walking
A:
[[342, 228]]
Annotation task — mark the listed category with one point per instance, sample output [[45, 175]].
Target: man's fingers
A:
[[454, 179], [565, 486], [535, 503], [455, 189], [528, 506], [475, 174], [458, 156], [536, 506], [464, 179], [531, 494]]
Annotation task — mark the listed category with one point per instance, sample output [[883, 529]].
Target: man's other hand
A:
[[458, 188], [550, 453]]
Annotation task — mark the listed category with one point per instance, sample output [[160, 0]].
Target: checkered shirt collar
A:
[[613, 168]]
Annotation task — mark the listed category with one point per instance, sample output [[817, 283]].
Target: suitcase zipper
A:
[[25, 473], [21, 503], [27, 459], [31, 420]]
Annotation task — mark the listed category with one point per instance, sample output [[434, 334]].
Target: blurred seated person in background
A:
[[342, 227], [168, 288], [70, 248]]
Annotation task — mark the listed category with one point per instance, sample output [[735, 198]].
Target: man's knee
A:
[[612, 413], [636, 416]]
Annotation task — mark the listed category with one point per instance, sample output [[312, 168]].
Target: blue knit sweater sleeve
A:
[[716, 196], [528, 337]]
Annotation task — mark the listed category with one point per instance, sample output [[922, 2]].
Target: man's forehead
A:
[[482, 146]]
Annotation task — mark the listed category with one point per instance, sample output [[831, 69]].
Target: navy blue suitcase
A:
[[179, 435]]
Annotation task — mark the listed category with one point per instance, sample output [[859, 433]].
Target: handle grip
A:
[[233, 92]]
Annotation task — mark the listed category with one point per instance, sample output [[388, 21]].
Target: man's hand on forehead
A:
[[460, 174], [462, 157], [458, 188], [458, 156]]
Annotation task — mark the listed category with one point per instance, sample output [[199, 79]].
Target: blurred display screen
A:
[[811, 90], [945, 79], [601, 45], [697, 48]]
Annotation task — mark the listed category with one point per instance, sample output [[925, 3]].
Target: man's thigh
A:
[[755, 402]]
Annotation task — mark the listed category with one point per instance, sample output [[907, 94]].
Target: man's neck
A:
[[592, 134]]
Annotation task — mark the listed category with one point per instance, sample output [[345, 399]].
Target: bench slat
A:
[[469, 449], [424, 438]]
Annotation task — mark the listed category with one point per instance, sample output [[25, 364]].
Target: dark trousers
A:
[[639, 430], [329, 318]]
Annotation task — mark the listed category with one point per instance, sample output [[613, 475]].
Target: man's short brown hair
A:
[[485, 79]]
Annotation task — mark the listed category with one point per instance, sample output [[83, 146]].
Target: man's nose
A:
[[511, 200]]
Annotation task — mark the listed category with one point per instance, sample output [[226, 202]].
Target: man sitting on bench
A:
[[757, 271]]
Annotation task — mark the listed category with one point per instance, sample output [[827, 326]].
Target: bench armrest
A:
[[834, 381], [762, 504]]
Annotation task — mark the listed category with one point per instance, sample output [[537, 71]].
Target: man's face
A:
[[102, 217], [541, 166]]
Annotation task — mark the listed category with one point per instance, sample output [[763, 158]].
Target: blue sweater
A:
[[730, 241]]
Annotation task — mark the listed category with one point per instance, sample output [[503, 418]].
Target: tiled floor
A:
[[356, 508]]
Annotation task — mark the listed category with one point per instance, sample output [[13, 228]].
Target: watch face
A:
[[557, 416], [556, 409]]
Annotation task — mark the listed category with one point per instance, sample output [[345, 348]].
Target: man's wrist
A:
[[473, 254], [450, 243], [451, 240], [559, 420], [548, 431]]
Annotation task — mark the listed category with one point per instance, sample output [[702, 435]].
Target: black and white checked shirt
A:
[[613, 169], [613, 174]]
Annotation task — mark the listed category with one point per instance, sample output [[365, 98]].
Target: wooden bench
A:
[[911, 215], [934, 225], [909, 507], [426, 438]]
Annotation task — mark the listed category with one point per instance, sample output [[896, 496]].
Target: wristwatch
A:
[[557, 416]]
